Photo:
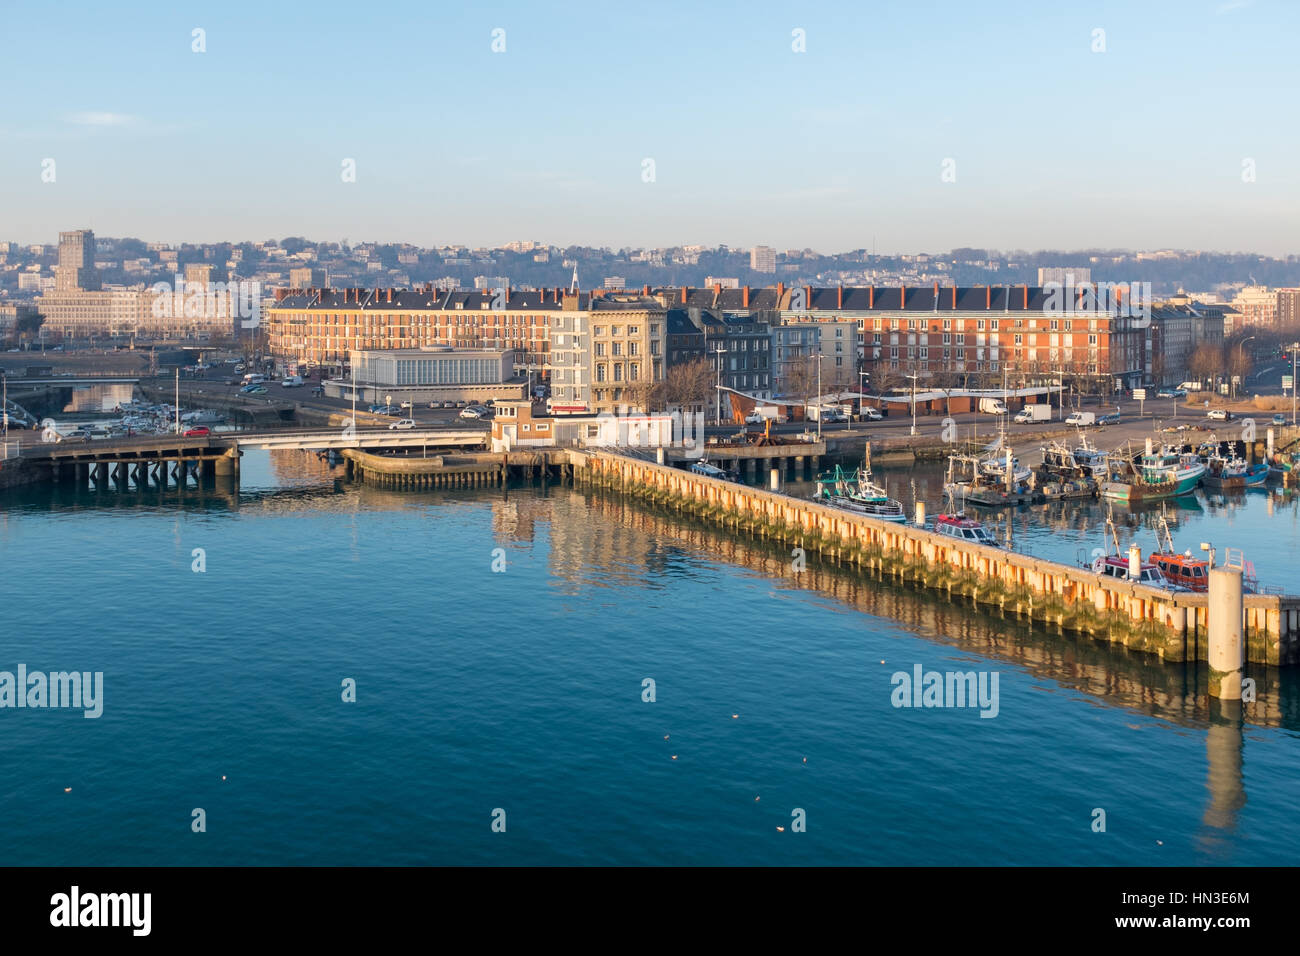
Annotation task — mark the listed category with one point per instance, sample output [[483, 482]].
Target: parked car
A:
[[448, 404], [1218, 415], [1279, 419], [871, 414], [461, 404], [1165, 393], [254, 389], [472, 412], [404, 424], [1111, 419], [198, 431]]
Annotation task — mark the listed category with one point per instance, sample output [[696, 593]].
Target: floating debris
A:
[[780, 829]]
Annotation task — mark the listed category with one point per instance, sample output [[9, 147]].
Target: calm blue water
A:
[[522, 690]]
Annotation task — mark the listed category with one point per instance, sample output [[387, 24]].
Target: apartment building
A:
[[594, 348]]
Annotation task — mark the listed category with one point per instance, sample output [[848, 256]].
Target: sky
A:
[[905, 127]]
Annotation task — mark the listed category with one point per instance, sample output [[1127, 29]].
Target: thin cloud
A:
[[102, 119], [1232, 6]]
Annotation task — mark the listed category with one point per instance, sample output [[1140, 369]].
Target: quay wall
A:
[[1174, 626]]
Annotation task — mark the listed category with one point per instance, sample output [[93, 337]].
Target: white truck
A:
[[1081, 418], [827, 413], [1034, 413], [291, 381], [992, 406], [765, 413]]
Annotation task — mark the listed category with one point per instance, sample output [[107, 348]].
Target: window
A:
[[634, 330], [600, 349]]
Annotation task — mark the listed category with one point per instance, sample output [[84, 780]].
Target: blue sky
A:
[[1053, 145]]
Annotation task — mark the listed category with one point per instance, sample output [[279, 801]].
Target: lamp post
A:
[[717, 415], [1295, 351], [913, 377], [820, 402], [1241, 350]]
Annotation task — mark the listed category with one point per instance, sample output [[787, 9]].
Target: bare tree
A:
[[1206, 362]]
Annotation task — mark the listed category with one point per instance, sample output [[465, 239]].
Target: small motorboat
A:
[[702, 467], [957, 525]]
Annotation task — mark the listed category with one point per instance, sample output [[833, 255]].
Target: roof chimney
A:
[[717, 289], [954, 297], [1025, 286], [902, 296], [988, 297], [807, 292], [683, 295], [744, 298], [645, 290], [871, 297], [839, 296], [390, 294]]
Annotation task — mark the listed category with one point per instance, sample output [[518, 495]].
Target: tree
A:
[[1206, 362], [801, 379]]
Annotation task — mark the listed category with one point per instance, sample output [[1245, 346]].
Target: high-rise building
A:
[[1288, 308], [76, 271], [762, 259], [1257, 306]]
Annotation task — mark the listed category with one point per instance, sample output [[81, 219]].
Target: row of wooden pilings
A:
[[1176, 626]]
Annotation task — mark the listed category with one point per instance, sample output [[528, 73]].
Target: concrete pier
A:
[[1171, 624]]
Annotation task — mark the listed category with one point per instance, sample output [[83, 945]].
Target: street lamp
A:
[[1295, 351], [913, 377], [1241, 350], [719, 351], [820, 401]]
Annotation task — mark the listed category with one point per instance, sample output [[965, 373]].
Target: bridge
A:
[[165, 460]]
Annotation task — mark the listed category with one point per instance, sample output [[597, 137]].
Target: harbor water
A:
[[501, 643]]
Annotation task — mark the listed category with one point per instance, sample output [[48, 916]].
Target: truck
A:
[[827, 413], [992, 406], [291, 381], [1034, 413], [1081, 418], [763, 413]]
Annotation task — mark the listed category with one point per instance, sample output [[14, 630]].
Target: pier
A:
[[1172, 625]]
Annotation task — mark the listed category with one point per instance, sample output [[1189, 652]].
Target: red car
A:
[[198, 431]]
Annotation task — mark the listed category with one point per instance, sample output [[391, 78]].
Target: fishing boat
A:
[[1181, 569], [996, 468], [1157, 474], [1113, 564], [855, 491], [1090, 459], [1257, 475], [1225, 472]]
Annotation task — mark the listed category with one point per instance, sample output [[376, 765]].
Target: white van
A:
[[1082, 418]]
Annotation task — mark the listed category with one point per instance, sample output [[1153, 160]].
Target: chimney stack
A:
[[902, 296], [683, 295], [839, 296], [780, 292], [871, 297], [988, 297], [1025, 287], [807, 297], [744, 298]]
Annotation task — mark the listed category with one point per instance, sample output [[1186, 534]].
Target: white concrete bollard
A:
[[1227, 640]]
